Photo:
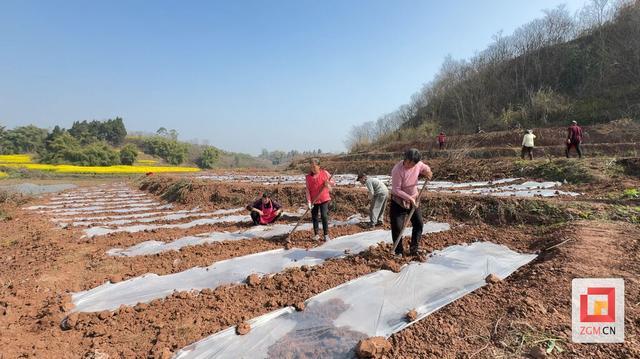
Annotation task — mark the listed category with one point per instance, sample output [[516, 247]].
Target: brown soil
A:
[[40, 265], [534, 304]]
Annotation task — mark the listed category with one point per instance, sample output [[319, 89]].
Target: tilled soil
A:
[[40, 265]]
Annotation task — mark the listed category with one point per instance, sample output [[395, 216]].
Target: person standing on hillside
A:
[[527, 144], [404, 196], [574, 138], [265, 210], [319, 184], [378, 193], [442, 140]]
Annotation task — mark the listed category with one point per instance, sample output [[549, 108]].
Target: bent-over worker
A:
[[378, 194]]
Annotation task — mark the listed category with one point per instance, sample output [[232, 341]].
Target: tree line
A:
[[101, 143], [552, 70]]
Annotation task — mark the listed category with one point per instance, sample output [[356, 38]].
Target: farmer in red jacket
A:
[[265, 210], [574, 138], [318, 187], [442, 140]]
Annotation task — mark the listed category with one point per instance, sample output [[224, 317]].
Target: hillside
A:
[[549, 72]]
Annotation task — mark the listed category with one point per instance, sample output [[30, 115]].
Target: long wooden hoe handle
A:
[[305, 212], [397, 240]]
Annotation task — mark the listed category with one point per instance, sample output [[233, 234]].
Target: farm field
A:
[[170, 266]]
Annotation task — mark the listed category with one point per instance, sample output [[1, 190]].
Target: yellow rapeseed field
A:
[[146, 162], [3, 175], [15, 159], [24, 161]]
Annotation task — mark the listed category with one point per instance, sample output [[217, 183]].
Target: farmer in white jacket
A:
[[527, 144], [378, 194]]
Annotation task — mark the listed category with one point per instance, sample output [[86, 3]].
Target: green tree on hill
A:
[[112, 131], [128, 154], [209, 158], [25, 139], [171, 151]]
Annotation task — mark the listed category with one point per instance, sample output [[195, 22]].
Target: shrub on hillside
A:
[[128, 154], [209, 158], [171, 151]]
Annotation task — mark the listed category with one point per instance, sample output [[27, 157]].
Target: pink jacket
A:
[[315, 185], [404, 183]]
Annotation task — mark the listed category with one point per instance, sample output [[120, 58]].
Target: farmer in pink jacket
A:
[[404, 196], [318, 187]]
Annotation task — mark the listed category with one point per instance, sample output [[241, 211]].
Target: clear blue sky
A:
[[242, 74]]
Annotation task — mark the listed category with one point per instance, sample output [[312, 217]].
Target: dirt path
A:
[[533, 306]]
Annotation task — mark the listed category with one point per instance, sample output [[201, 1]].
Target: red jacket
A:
[[315, 185], [442, 138], [575, 134]]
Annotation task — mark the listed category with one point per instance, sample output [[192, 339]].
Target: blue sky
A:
[[243, 75]]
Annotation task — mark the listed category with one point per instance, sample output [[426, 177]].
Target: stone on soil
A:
[[537, 353], [374, 347]]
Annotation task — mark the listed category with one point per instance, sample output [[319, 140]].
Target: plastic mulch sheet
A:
[[141, 208], [161, 218], [93, 205], [274, 230], [145, 288], [373, 305]]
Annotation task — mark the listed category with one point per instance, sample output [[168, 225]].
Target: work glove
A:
[[309, 205]]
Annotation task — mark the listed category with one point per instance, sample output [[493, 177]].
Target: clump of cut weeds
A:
[[178, 191]]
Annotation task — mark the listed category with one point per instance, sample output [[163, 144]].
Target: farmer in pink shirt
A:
[[318, 187], [404, 196]]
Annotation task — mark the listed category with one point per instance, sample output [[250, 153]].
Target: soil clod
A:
[[253, 280], [493, 279], [412, 315], [243, 328], [392, 266], [374, 347]]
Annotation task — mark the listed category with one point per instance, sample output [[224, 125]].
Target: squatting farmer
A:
[[265, 210], [378, 194], [527, 144], [442, 140], [319, 184], [404, 196], [574, 138]]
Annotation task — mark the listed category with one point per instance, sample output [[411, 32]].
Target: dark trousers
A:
[[255, 217], [441, 145], [527, 151], [577, 146], [323, 209], [397, 215]]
